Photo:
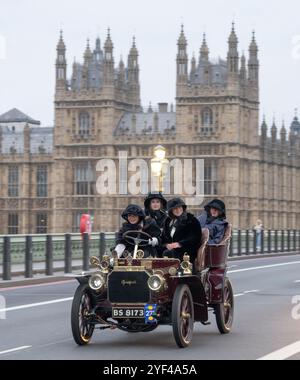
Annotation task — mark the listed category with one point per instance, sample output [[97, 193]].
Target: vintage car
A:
[[137, 294]]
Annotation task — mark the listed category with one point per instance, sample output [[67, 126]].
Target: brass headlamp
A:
[[186, 265]]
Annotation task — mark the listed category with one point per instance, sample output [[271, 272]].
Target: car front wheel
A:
[[183, 316], [81, 307]]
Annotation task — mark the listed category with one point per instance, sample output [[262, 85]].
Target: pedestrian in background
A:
[[259, 230]]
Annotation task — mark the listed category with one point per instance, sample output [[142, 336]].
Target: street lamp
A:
[[157, 165], [160, 152]]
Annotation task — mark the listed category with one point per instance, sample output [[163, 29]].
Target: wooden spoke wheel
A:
[[225, 311], [81, 308], [183, 316]]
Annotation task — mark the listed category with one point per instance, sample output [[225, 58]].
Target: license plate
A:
[[128, 312]]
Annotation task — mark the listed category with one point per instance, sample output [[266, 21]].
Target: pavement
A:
[[266, 326]]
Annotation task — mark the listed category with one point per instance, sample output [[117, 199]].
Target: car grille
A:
[[128, 287]]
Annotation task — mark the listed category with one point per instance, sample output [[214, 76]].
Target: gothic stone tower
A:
[[87, 109], [218, 117]]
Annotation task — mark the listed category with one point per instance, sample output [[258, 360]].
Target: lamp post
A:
[[157, 165]]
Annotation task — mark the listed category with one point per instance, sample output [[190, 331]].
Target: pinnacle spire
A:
[[193, 65], [274, 127], [98, 43], [133, 50], [283, 133], [182, 40], [204, 50], [253, 45], [233, 37], [88, 53], [108, 43], [243, 70], [264, 129], [61, 44]]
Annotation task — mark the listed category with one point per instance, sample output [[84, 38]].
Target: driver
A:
[[135, 220]]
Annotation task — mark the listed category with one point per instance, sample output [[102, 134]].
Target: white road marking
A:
[[251, 291], [35, 285], [31, 305], [14, 349], [297, 281], [283, 353], [245, 293], [264, 267], [28, 306]]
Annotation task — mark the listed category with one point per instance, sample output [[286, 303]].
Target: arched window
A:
[[181, 69], [84, 124], [61, 73], [207, 117]]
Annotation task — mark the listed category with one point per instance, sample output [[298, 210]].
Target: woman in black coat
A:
[[134, 217], [155, 210], [182, 232]]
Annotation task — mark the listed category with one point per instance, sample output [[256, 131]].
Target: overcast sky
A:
[[30, 30]]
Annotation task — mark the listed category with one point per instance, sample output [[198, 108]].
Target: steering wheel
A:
[[139, 238]]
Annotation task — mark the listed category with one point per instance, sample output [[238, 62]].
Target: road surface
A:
[[37, 324]]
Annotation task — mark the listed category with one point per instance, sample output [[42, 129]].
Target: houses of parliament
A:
[[48, 174]]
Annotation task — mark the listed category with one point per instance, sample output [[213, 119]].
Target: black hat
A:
[[176, 202], [155, 195], [217, 204], [133, 210]]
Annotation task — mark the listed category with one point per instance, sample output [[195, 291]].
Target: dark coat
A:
[[188, 234], [216, 227], [148, 226], [159, 217]]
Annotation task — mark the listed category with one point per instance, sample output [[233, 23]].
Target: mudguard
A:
[[198, 293], [216, 278]]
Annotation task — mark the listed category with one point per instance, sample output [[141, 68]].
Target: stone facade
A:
[[98, 113]]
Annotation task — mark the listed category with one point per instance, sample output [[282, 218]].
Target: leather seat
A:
[[200, 261]]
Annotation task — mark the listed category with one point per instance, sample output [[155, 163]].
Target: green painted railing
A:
[[17, 247], [27, 250]]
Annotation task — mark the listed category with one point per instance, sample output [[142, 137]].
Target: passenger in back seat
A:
[[214, 219]]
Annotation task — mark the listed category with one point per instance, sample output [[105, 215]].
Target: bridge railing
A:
[[30, 255]]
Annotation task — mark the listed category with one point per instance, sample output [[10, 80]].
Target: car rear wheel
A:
[[225, 311], [183, 316], [81, 307]]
